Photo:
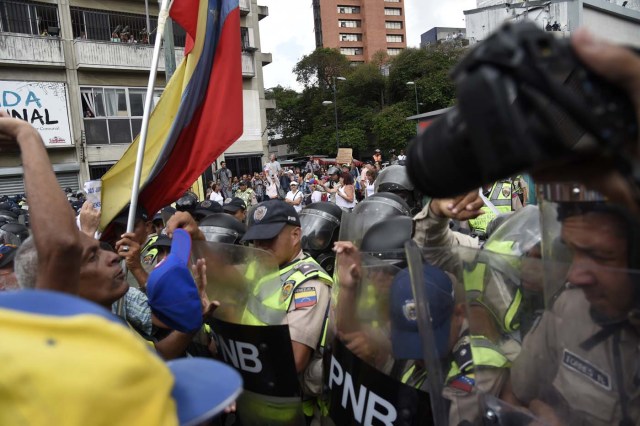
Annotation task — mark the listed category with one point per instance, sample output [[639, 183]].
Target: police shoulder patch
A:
[[287, 287], [586, 369], [148, 259], [463, 383], [305, 297]]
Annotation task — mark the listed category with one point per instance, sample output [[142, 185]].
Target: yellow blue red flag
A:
[[196, 119]]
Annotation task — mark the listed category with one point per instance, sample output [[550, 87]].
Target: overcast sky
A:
[[287, 32]]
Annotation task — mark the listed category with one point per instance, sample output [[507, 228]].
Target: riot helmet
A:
[[333, 170], [8, 216], [385, 240], [13, 233], [187, 203], [374, 209], [320, 224], [222, 228], [395, 179]]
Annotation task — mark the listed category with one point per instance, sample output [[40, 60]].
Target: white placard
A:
[[43, 104]]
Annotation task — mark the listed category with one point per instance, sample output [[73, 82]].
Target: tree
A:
[[391, 128], [319, 68]]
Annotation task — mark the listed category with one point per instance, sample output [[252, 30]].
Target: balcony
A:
[[124, 56], [263, 12], [245, 7], [266, 58], [248, 65], [31, 50]]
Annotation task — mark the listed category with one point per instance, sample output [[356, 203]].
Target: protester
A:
[[346, 193], [217, 194], [294, 197], [223, 175]]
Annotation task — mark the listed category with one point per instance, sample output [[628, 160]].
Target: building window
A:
[[91, 24], [25, 17], [393, 51], [349, 24], [393, 25], [96, 172], [391, 38], [113, 115], [348, 9], [244, 38], [392, 11], [351, 51], [350, 37]]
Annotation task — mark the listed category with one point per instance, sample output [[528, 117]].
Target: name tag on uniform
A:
[[575, 363]]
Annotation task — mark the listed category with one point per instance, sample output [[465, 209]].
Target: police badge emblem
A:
[[260, 213], [506, 191], [287, 288], [409, 310]]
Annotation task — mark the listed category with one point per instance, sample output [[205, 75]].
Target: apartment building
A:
[[360, 28], [78, 71]]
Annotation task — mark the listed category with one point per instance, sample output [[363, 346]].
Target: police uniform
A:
[[306, 321], [500, 196], [585, 379]]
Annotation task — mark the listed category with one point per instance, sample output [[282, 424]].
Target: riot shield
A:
[[578, 361], [364, 382], [251, 332]]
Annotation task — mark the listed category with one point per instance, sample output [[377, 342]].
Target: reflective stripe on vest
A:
[[499, 200], [484, 354], [410, 377], [475, 281], [265, 308]]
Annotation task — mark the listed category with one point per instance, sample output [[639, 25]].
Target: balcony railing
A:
[[125, 56], [248, 65], [31, 50]]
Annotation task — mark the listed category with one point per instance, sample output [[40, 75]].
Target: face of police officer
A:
[[598, 244], [101, 278], [285, 246]]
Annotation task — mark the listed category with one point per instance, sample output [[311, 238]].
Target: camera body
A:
[[525, 101]]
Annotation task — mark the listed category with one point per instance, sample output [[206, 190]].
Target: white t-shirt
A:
[[216, 197], [316, 196], [370, 189], [341, 202], [292, 196]]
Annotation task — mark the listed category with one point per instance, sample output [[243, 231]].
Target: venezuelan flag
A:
[[197, 118], [305, 297]]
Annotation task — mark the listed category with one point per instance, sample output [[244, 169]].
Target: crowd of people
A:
[[293, 296]]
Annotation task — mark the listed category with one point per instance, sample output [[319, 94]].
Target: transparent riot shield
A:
[[364, 381], [577, 364], [251, 333]]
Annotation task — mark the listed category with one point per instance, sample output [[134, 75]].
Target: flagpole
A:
[[135, 188]]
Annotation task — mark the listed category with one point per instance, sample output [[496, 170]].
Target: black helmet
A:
[[222, 228], [377, 208], [393, 179], [187, 203], [383, 204], [13, 233], [320, 224], [8, 216], [385, 240]]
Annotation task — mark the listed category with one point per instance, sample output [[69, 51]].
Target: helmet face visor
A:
[[318, 229]]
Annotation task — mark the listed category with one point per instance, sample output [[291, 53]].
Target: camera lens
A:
[[455, 169]]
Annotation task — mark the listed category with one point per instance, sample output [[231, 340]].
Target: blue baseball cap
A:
[[405, 336], [171, 289], [87, 347]]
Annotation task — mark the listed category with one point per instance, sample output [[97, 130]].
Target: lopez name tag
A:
[[575, 363]]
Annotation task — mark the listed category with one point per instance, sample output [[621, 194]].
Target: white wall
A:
[[612, 27]]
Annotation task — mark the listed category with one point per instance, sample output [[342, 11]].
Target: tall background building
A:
[[360, 28], [78, 70]]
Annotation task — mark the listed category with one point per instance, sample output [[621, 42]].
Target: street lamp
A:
[[335, 108], [415, 88]]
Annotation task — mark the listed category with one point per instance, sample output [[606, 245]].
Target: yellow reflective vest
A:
[[500, 197]]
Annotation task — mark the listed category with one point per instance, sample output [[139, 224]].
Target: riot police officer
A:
[[395, 179], [320, 229], [222, 228], [305, 290]]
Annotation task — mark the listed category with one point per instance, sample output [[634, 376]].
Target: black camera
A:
[[525, 101]]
